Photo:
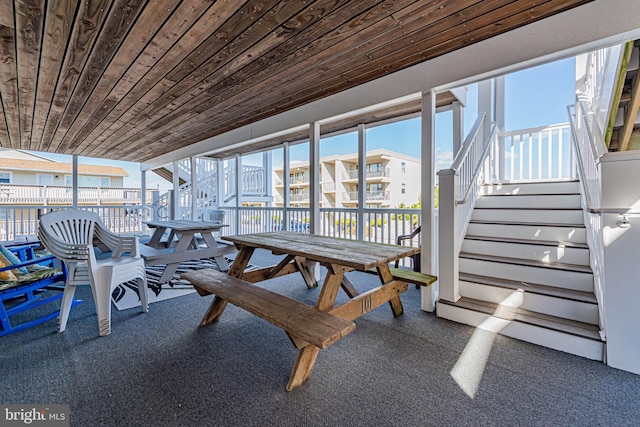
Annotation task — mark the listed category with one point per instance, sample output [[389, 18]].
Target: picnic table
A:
[[186, 247], [310, 328]]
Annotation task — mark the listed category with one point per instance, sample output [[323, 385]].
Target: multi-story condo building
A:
[[390, 180]]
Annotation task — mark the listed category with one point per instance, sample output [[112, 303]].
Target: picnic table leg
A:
[[218, 304], [307, 355], [307, 274], [210, 241], [157, 235], [386, 277], [170, 269]]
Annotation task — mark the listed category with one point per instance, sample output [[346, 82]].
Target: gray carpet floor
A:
[[161, 369]]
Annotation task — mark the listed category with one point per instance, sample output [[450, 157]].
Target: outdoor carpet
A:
[[125, 296]]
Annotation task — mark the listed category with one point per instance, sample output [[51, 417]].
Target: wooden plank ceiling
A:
[[134, 79]]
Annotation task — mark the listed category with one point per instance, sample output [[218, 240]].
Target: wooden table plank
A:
[[352, 253]]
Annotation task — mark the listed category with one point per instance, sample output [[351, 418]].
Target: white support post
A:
[[74, 181], [176, 191], [314, 187], [220, 183], [458, 127], [362, 180], [194, 188], [314, 176], [428, 226], [286, 197], [267, 168], [239, 191], [500, 117], [448, 236], [143, 195]]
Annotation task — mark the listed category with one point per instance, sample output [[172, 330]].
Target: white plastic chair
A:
[[69, 235]]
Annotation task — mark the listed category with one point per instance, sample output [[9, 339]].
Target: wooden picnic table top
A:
[[186, 225], [356, 254]]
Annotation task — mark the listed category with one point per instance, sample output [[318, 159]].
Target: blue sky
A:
[[534, 97]]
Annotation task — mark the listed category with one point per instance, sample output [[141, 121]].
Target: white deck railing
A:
[[21, 221], [15, 194], [541, 153]]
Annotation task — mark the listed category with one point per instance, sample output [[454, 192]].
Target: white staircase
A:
[[524, 268]]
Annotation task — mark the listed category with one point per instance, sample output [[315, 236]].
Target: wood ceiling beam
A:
[[29, 19], [9, 86], [631, 114]]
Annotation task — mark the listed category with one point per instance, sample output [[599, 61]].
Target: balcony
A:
[[370, 196], [369, 175], [13, 194]]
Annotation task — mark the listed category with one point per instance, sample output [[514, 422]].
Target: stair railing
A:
[[459, 187], [588, 143]]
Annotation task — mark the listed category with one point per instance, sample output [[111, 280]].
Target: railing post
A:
[[448, 236]]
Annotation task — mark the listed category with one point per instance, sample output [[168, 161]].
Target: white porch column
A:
[[314, 187], [448, 270], [176, 191], [314, 177], [194, 188], [500, 117], [74, 181], [220, 183], [286, 184], [239, 191], [458, 127], [143, 195], [267, 165], [362, 180], [427, 236]]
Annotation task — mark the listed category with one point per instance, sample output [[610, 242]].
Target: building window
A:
[[374, 167], [5, 177], [403, 189], [88, 181], [403, 167]]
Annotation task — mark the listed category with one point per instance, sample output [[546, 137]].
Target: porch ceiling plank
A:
[[308, 84], [88, 22], [182, 34], [474, 29], [270, 31], [4, 132], [303, 54], [136, 79], [330, 61], [630, 114], [9, 86], [29, 20], [282, 33], [120, 20], [137, 40], [57, 30], [470, 26], [6, 17]]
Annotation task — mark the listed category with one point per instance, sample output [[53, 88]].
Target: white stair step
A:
[[548, 187], [559, 201], [580, 311], [547, 275], [536, 216], [553, 233], [571, 337], [544, 252]]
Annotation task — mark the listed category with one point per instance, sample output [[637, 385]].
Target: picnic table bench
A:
[[310, 328]]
